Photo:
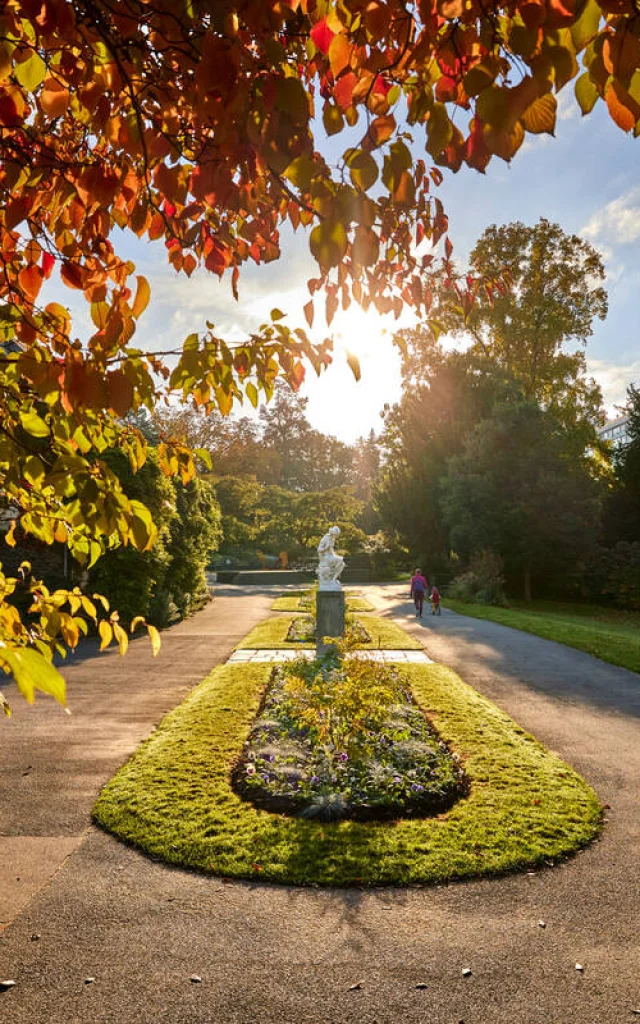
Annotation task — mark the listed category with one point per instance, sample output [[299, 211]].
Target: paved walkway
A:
[[250, 656], [297, 956]]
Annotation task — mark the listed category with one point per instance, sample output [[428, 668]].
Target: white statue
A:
[[330, 565]]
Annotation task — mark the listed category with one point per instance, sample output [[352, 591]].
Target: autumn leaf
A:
[[143, 294]]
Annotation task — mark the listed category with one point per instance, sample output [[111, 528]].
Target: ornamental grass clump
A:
[[345, 739]]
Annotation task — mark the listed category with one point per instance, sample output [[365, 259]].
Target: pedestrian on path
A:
[[419, 587], [435, 601]]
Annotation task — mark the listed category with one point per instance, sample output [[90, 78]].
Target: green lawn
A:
[[610, 635], [292, 603], [173, 798], [272, 633]]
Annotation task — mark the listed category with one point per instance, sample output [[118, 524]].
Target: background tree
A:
[[518, 490], [422, 433], [169, 579], [622, 519], [555, 294]]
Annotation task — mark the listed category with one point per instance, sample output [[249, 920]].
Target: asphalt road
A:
[[270, 955]]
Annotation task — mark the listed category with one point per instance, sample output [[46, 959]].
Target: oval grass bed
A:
[[273, 633], [174, 800]]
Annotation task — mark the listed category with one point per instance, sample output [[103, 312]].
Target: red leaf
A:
[[448, 248], [322, 35], [343, 90], [72, 274], [48, 262]]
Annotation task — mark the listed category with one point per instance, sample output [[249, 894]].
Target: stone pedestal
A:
[[329, 618]]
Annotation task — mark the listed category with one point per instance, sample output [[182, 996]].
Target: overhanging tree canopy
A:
[[197, 123]]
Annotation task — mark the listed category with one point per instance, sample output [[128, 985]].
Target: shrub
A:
[[614, 574], [482, 583]]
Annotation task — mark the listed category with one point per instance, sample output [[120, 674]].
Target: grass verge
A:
[[293, 603], [173, 799], [606, 634], [272, 634]]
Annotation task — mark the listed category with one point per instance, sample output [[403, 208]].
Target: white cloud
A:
[[568, 109], [617, 223], [614, 379]]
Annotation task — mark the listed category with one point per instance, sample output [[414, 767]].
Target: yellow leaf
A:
[[354, 365], [106, 634], [33, 672], [8, 537], [135, 622], [121, 636], [154, 637], [31, 72], [540, 116]]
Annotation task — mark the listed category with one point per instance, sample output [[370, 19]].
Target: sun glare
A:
[[362, 333]]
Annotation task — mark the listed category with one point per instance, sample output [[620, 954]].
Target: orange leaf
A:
[[143, 294], [54, 98], [339, 54], [308, 312], [120, 392], [30, 280], [623, 108]]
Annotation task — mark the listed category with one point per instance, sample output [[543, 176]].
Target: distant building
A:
[[616, 431]]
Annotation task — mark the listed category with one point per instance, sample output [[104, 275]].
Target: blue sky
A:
[[585, 179]]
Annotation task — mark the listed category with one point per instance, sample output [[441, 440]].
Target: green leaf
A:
[[33, 672], [190, 343], [363, 169], [277, 314], [301, 171], [586, 93], [332, 119], [328, 243], [33, 424], [31, 72], [205, 455], [585, 28], [439, 130], [252, 394]]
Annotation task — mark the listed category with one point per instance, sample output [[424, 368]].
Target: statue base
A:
[[329, 618]]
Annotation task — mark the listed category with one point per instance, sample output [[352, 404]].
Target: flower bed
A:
[[345, 741]]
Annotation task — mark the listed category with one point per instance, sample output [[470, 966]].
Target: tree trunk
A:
[[527, 583]]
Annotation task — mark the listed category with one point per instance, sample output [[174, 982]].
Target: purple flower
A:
[[265, 777], [344, 757], [397, 780], [417, 788], [314, 779]]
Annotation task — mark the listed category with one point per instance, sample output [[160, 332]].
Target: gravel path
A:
[[294, 956]]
